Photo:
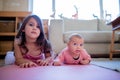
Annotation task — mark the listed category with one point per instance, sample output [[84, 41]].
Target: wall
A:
[[15, 5], [1, 5]]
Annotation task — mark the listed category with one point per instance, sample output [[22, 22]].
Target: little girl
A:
[[30, 46], [74, 53]]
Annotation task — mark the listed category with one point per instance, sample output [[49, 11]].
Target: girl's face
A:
[[32, 30], [75, 45]]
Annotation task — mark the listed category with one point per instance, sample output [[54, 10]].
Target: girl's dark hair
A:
[[41, 40]]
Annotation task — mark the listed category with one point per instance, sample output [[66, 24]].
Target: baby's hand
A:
[[56, 63], [84, 62], [28, 64]]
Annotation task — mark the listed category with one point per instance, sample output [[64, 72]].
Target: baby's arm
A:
[[86, 61], [24, 63], [59, 59], [57, 63], [86, 58]]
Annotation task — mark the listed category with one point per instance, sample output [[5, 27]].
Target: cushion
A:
[[75, 24], [55, 35], [92, 36], [103, 26]]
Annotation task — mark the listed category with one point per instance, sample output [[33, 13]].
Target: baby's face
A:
[[75, 45]]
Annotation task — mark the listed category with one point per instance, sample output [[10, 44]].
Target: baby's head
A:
[[73, 35], [75, 42]]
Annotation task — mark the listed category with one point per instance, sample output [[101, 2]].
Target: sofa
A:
[[96, 33]]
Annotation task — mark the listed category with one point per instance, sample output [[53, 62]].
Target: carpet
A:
[[65, 72], [113, 64]]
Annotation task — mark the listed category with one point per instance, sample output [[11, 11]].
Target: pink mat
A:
[[66, 72]]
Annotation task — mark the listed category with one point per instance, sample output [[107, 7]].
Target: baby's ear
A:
[[23, 30], [68, 43]]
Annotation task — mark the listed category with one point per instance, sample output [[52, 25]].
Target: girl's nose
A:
[[34, 27]]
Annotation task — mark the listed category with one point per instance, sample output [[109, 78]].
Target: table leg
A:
[[112, 45]]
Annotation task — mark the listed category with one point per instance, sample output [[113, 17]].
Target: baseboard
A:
[[104, 55], [92, 55], [2, 56]]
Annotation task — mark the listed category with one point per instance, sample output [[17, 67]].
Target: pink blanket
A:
[[67, 72]]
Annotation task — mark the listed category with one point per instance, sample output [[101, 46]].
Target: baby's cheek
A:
[[81, 47]]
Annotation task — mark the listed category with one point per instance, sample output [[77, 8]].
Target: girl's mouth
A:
[[33, 32]]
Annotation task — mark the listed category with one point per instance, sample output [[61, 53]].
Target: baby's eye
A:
[[81, 44], [74, 43]]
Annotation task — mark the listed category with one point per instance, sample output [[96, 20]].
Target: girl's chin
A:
[[32, 37]]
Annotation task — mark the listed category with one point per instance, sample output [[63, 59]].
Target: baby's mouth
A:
[[77, 51]]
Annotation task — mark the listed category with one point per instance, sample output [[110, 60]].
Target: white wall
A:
[[1, 5], [16, 5]]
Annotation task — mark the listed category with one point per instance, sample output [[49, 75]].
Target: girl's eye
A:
[[38, 26], [30, 24]]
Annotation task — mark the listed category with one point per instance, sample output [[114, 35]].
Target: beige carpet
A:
[[113, 64]]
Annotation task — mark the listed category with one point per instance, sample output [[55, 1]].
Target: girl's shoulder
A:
[[47, 43], [17, 41], [47, 46]]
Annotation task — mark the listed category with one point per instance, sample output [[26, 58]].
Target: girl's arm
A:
[[19, 57], [48, 55], [47, 61], [18, 54]]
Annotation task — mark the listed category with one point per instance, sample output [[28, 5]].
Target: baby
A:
[[74, 53]]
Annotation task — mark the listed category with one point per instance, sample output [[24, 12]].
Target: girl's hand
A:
[[42, 62], [25, 63], [28, 64], [45, 62]]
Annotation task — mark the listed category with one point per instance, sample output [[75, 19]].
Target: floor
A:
[[113, 64], [1, 62]]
